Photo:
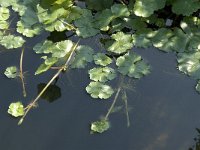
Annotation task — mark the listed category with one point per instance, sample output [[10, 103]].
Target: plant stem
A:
[[64, 67], [126, 109], [113, 103], [21, 73]]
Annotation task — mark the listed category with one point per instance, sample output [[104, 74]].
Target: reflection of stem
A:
[[21, 73], [126, 109], [64, 67], [113, 103]]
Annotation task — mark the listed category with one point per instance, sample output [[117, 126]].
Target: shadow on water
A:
[[164, 108]]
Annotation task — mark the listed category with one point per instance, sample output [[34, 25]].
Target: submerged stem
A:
[[126, 108], [113, 103], [64, 67], [21, 73]]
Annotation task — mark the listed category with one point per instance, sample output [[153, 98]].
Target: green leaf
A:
[[185, 7], [62, 48], [102, 74], [145, 8], [45, 47], [98, 4], [46, 65], [198, 86], [189, 63], [103, 19], [120, 10], [85, 25], [84, 54], [102, 59], [28, 31], [4, 13], [121, 43], [4, 25], [11, 72], [16, 109], [100, 126], [99, 90], [11, 41], [132, 65]]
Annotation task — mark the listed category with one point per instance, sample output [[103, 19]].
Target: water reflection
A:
[[52, 93]]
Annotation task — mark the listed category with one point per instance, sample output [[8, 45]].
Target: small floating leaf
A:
[[102, 59], [11, 72], [100, 126], [102, 74], [16, 109], [99, 90], [11, 41]]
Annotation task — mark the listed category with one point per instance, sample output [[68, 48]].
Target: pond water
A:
[[164, 115]]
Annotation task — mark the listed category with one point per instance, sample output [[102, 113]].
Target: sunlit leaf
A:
[[100, 126], [102, 59], [16, 109], [189, 63], [132, 65], [4, 13], [145, 8], [99, 90], [102, 74], [11, 41], [120, 43], [11, 72], [120, 10]]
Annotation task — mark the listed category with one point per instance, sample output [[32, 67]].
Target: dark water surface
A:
[[165, 109]]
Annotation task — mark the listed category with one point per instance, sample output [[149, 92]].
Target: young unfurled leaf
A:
[[102, 74], [11, 72], [132, 65], [102, 59], [100, 126], [99, 90], [16, 109]]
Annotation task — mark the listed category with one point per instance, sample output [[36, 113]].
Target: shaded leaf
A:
[[84, 54]]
